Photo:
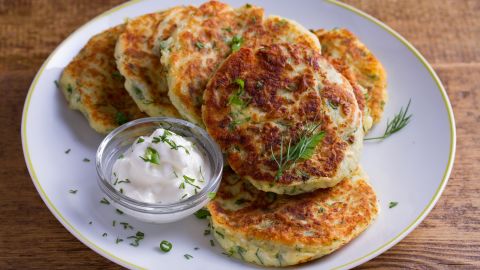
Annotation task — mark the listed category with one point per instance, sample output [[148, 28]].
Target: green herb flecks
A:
[[120, 212], [68, 151], [211, 195], [140, 140], [105, 201], [220, 234], [165, 139], [104, 234], [69, 88], [126, 225], [113, 223], [121, 118], [228, 29], [73, 191], [257, 254], [199, 45], [86, 160], [236, 43], [118, 240], [212, 243], [236, 97], [151, 155], [202, 214], [139, 236], [190, 181], [188, 256], [166, 246], [399, 121], [117, 75], [279, 258], [206, 232], [126, 181], [302, 150], [392, 204], [57, 84]]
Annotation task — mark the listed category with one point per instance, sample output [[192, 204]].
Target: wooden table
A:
[[446, 32]]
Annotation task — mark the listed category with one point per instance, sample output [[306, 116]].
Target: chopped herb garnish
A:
[[86, 160], [140, 140], [240, 251], [206, 232], [230, 253], [175, 173], [126, 181], [190, 181], [90, 223], [69, 88], [165, 246], [219, 233], [400, 120], [104, 234], [212, 243], [121, 156], [279, 258], [182, 185], [119, 211], [199, 45], [248, 5], [202, 214], [211, 195], [118, 240], [117, 75], [188, 256], [196, 248], [151, 155], [113, 223], [239, 201], [121, 118], [235, 97], [236, 43], [104, 201], [73, 191], [258, 256], [136, 238], [392, 204], [302, 150], [228, 29], [57, 84], [184, 195], [67, 151], [121, 190], [126, 225]]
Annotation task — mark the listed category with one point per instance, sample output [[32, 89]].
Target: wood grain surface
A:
[[447, 33]]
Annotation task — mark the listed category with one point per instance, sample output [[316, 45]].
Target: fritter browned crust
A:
[[356, 62], [207, 37], [140, 64], [286, 89], [281, 230], [92, 84]]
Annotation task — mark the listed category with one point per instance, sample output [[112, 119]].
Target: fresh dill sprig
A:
[[399, 121], [303, 149]]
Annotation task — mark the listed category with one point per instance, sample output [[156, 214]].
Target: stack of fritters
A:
[[288, 107]]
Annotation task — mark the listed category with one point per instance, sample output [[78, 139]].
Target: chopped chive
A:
[[113, 223], [258, 256], [104, 201], [119, 211], [121, 118], [151, 155], [206, 232], [73, 191], [67, 151], [140, 140], [211, 195], [199, 45], [90, 223], [212, 243], [202, 214], [219, 233], [392, 204], [104, 234], [188, 256], [118, 240], [165, 246], [86, 160], [57, 84], [139, 236], [196, 248]]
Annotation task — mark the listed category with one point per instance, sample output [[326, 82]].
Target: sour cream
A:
[[161, 168]]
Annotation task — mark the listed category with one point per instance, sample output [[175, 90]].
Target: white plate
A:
[[411, 167]]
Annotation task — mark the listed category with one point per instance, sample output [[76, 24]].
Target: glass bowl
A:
[[120, 139]]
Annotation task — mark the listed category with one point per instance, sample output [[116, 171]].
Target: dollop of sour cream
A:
[[161, 168]]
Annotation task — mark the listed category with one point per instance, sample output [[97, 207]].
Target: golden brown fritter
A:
[[207, 37], [92, 84], [140, 64], [281, 230], [262, 97], [350, 56]]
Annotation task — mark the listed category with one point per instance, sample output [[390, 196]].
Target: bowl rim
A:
[[211, 150]]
